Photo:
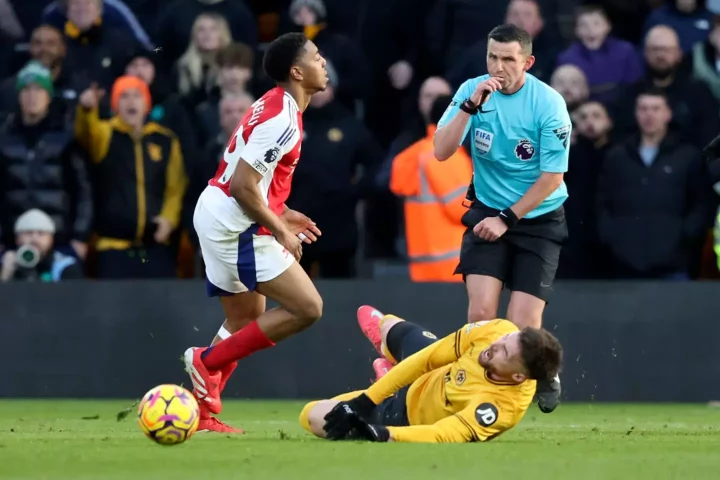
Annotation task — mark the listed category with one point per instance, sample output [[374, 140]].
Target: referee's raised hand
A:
[[484, 89]]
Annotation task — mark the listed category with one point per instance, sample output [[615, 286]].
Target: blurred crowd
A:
[[114, 115]]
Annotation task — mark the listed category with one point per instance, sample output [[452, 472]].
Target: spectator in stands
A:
[[415, 127], [197, 69], [231, 110], [114, 13], [625, 16], [167, 109], [352, 68], [653, 198], [609, 63], [571, 83], [35, 258], [705, 56], [710, 267], [391, 37], [235, 63], [383, 208], [140, 182], [580, 256], [689, 18], [12, 33], [696, 113], [716, 237], [433, 194], [525, 14], [339, 159], [47, 46], [41, 166], [95, 52], [177, 21], [234, 76], [714, 171], [453, 25]]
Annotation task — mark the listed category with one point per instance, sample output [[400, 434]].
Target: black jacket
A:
[[136, 178], [580, 256], [99, 55], [648, 217], [327, 184], [43, 167]]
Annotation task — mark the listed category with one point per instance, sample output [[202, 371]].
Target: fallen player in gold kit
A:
[[470, 386]]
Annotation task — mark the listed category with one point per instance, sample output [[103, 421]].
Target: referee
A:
[[519, 134]]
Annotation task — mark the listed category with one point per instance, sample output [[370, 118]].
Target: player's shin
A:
[[239, 345]]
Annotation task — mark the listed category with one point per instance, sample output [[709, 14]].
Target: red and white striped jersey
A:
[[269, 139]]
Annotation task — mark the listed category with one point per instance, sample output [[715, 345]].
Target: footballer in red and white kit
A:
[[238, 252], [250, 239]]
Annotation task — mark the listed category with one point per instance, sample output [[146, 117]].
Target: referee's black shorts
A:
[[525, 258]]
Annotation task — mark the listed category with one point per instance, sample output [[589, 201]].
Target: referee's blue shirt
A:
[[520, 136]]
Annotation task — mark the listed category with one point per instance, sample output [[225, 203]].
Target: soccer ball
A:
[[168, 414]]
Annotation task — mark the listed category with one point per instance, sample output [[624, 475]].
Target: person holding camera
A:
[[35, 259]]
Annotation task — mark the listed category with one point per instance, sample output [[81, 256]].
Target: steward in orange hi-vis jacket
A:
[[434, 193]]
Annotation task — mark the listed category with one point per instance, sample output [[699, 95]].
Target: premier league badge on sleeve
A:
[[272, 155], [524, 150]]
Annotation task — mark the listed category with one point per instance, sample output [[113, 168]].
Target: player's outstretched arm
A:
[[479, 422], [340, 420], [439, 354]]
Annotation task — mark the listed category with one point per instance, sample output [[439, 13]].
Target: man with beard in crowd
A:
[[580, 256], [695, 111], [47, 46]]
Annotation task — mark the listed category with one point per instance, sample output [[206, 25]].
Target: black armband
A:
[[509, 217], [468, 107]]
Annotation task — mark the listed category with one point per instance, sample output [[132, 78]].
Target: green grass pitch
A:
[[83, 440]]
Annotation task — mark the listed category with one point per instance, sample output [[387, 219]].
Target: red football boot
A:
[[225, 374], [206, 385], [381, 366], [369, 320], [208, 423]]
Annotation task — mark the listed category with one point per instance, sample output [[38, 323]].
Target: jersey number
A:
[[486, 414], [231, 156]]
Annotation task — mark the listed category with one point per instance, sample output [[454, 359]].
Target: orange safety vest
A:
[[434, 192]]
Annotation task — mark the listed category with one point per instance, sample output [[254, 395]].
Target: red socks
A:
[[239, 345]]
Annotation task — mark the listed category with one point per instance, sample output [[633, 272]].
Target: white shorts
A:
[[235, 257]]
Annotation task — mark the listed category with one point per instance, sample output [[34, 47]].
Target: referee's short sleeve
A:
[[465, 91], [555, 131]]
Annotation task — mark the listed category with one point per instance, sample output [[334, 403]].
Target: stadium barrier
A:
[[623, 341]]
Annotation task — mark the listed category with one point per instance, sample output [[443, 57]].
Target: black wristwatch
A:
[[468, 107]]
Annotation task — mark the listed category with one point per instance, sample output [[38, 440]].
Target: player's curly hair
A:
[[541, 353], [282, 54]]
